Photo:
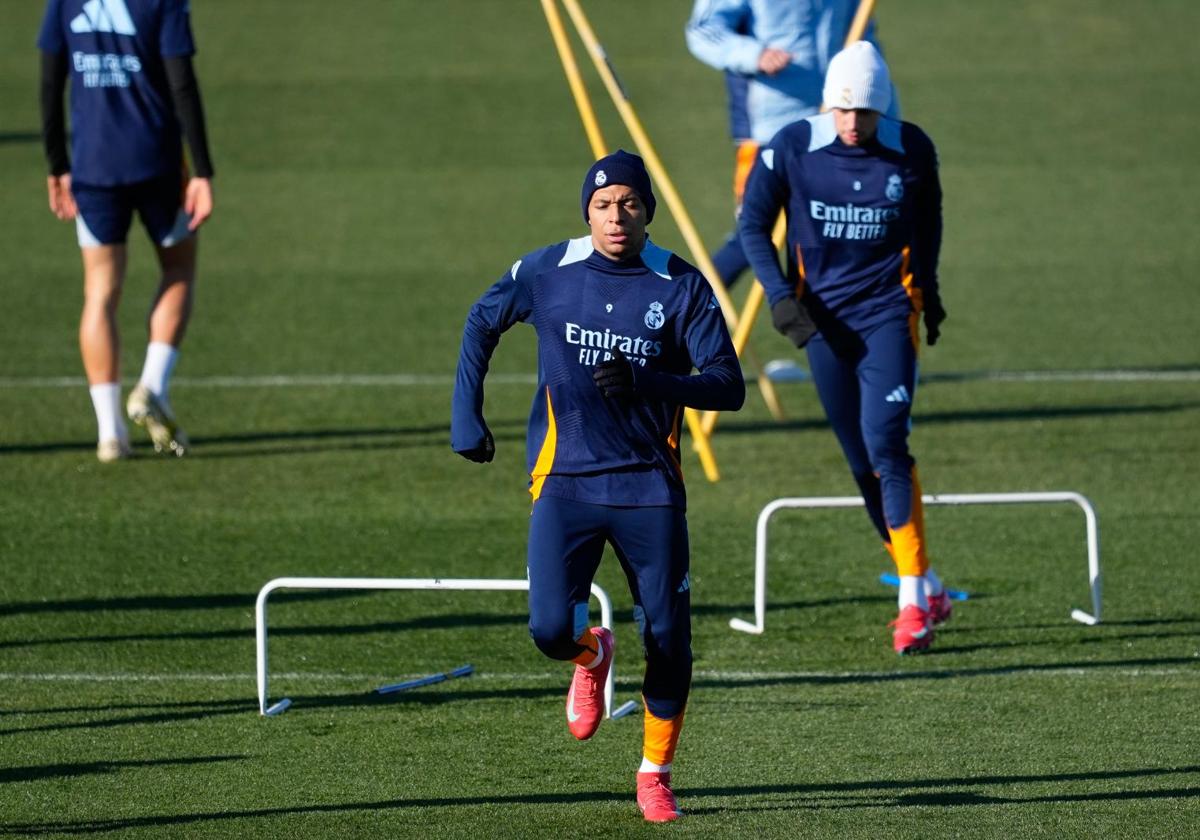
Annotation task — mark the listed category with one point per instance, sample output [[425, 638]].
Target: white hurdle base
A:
[[461, 584], [760, 545]]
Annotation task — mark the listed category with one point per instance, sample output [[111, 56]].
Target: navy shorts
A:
[[106, 213]]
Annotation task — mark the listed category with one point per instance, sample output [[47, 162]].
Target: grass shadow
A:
[[437, 622], [91, 768], [793, 796], [734, 426]]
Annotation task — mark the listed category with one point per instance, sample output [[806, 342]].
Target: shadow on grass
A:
[[293, 442], [69, 771], [779, 606], [191, 711], [437, 622], [1090, 639], [158, 713], [733, 426], [794, 797], [13, 138], [1107, 624], [945, 674], [939, 796], [119, 603]]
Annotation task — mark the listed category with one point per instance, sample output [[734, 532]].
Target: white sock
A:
[[649, 766], [912, 591], [110, 421], [156, 372], [933, 584]]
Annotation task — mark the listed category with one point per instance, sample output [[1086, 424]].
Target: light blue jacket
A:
[[813, 31]]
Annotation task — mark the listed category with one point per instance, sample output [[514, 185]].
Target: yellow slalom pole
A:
[[861, 18], [591, 127], [671, 197], [574, 80], [666, 186], [754, 301], [653, 163]]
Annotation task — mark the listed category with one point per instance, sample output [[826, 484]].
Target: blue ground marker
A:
[[462, 671]]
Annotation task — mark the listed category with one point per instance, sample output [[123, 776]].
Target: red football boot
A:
[[585, 700]]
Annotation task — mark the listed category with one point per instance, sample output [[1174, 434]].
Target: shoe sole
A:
[[916, 646], [165, 436]]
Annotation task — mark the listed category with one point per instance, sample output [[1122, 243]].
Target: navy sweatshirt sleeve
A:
[[927, 238], [504, 304], [54, 126], [767, 191]]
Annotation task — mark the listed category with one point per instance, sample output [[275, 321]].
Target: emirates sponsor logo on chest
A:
[[852, 221], [596, 346]]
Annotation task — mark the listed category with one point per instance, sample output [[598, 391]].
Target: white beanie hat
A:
[[858, 78]]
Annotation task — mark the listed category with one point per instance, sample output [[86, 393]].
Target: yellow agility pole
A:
[[574, 80], [754, 300], [591, 127], [859, 25], [666, 186]]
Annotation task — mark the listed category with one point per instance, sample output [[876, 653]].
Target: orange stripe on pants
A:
[[908, 541]]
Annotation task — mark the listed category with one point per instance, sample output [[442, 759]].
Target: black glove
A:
[[793, 320], [934, 315], [483, 453], [614, 377]]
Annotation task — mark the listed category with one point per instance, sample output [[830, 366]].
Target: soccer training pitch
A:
[[379, 165]]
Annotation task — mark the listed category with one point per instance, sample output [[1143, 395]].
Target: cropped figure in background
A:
[[774, 54], [133, 94], [864, 229]]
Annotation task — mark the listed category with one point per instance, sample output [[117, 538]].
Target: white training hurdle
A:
[[460, 584], [760, 545]]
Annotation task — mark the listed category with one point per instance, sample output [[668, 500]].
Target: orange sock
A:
[[660, 737], [590, 657]]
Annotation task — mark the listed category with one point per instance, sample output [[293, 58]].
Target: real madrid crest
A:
[[601, 178], [654, 316], [895, 189]]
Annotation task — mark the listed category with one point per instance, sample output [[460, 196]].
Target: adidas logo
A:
[[686, 585], [104, 16], [899, 395]]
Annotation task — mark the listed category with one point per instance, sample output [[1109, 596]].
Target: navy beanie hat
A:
[[619, 168]]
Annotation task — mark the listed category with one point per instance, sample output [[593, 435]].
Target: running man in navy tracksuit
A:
[[134, 95], [621, 323], [864, 227]]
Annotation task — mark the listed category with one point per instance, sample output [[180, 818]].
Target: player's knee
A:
[[890, 457], [866, 479], [554, 638]]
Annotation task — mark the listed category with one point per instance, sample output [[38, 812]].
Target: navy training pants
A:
[[868, 400], [566, 542]]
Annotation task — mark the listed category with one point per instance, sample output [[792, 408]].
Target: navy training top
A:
[[124, 128], [660, 312], [864, 223]]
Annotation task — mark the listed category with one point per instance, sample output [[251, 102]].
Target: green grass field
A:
[[379, 164]]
